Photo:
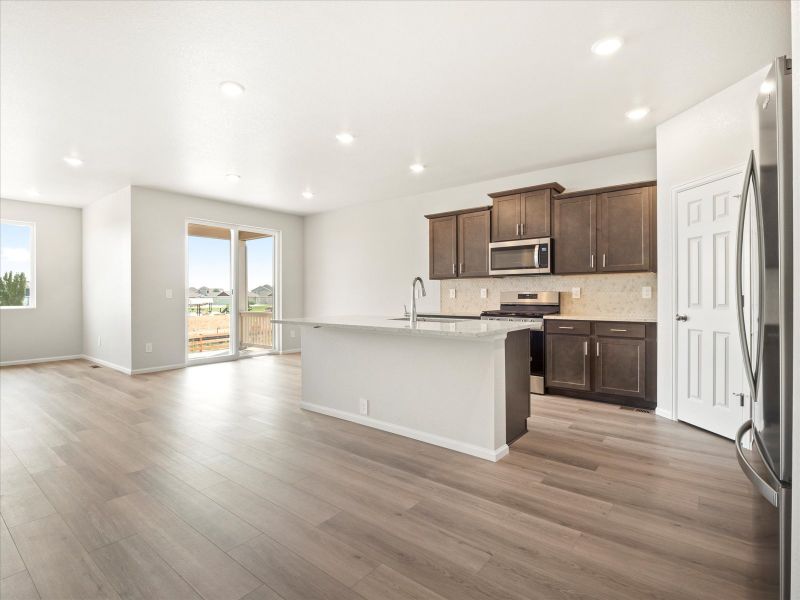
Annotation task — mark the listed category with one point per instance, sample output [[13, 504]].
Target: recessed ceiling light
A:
[[767, 87], [233, 177], [307, 194], [231, 88], [73, 161], [637, 113], [607, 46], [417, 168], [33, 193], [345, 138]]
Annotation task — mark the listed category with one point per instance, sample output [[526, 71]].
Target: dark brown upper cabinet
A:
[[608, 230], [575, 235], [473, 244], [522, 213], [459, 243], [623, 241], [443, 248]]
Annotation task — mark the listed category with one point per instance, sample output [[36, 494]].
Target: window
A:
[[17, 264]]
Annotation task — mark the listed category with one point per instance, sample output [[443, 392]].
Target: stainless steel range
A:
[[528, 307]]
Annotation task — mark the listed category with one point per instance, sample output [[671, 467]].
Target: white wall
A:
[[361, 259], [53, 328], [159, 242], [107, 279], [709, 138]]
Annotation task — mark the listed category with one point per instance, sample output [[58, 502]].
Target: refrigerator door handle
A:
[[764, 488], [752, 366]]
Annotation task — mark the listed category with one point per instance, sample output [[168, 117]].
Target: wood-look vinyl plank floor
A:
[[210, 483]]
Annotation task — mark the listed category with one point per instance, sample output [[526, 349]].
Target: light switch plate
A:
[[576, 292], [363, 406], [168, 293], [148, 347], [452, 293], [647, 292], [483, 292]]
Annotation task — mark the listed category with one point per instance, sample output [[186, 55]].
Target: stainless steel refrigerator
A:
[[765, 312]]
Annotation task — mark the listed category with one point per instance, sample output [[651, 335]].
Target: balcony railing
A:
[[255, 329]]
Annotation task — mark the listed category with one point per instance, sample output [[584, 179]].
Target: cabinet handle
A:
[[454, 268], [523, 228], [517, 228], [618, 330], [586, 348], [598, 348], [591, 261], [565, 327], [604, 259], [461, 267]]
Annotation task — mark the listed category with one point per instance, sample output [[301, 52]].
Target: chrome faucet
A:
[[413, 316]]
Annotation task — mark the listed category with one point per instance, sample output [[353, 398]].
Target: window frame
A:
[[32, 297]]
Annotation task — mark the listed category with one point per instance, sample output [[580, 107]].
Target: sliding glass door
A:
[[256, 266], [209, 292], [231, 291]]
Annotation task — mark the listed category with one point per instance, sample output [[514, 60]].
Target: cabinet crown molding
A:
[[460, 211], [556, 187], [603, 190]]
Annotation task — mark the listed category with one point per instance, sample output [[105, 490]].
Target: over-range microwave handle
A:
[[536, 255], [765, 488]]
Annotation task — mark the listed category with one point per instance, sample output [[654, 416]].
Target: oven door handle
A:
[[767, 489]]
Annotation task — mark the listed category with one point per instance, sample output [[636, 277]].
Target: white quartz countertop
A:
[[618, 319], [464, 328]]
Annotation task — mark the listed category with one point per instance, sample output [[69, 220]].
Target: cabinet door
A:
[[442, 247], [623, 241], [473, 244], [568, 362], [619, 366], [506, 218], [535, 214], [574, 235]]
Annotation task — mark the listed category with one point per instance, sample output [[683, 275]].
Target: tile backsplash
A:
[[616, 295]]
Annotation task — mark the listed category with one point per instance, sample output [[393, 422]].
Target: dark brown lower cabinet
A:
[[619, 366], [601, 360], [567, 361]]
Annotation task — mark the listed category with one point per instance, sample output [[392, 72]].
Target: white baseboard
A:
[[422, 436], [295, 351], [106, 363], [662, 412], [32, 361], [157, 369]]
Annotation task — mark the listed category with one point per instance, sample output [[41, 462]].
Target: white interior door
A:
[[708, 362]]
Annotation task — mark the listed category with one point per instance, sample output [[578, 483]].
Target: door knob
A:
[[681, 318], [739, 395]]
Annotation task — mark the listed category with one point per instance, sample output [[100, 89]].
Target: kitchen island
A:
[[460, 384]]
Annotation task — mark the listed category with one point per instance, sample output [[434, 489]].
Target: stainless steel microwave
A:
[[520, 257]]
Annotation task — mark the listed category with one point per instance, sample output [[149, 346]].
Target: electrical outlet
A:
[[452, 292], [148, 347], [483, 292], [576, 292], [647, 292], [99, 342], [292, 333], [168, 293], [363, 406]]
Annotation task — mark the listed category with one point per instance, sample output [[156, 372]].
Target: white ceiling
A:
[[473, 90]]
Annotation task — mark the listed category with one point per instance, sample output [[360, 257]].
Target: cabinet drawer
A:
[[628, 330], [568, 327]]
